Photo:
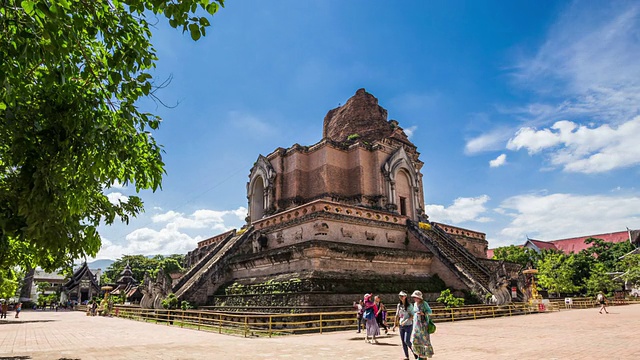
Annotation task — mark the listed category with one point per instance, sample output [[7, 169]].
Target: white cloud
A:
[[492, 140], [578, 148], [556, 216], [587, 72], [250, 124], [410, 131], [499, 161], [117, 197], [462, 210], [173, 238]]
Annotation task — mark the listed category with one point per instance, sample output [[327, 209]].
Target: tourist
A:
[[94, 308], [359, 306], [371, 324], [18, 309], [404, 321], [420, 338], [381, 312], [3, 310], [602, 300]]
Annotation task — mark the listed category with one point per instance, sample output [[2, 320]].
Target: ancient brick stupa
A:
[[331, 221]]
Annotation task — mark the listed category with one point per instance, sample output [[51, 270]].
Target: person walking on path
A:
[[18, 309], [602, 300], [404, 321], [359, 306], [380, 314], [3, 310], [371, 325], [420, 338]]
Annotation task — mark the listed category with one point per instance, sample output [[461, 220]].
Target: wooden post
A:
[[219, 323], [320, 323], [246, 325], [474, 313], [452, 318], [270, 325], [199, 319], [493, 311]]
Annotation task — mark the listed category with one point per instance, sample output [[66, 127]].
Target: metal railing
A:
[[256, 324]]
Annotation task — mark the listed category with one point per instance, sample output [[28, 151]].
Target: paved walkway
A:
[[570, 334]]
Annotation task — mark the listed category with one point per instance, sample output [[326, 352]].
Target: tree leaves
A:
[[71, 75]]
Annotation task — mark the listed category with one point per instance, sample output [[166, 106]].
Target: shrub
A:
[[447, 298]]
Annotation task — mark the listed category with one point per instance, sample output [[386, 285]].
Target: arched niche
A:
[[402, 184], [260, 189]]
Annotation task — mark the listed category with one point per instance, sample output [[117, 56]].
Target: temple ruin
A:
[[345, 216]]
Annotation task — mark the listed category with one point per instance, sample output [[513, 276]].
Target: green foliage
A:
[[185, 305], [353, 137], [606, 252], [631, 268], [72, 73], [9, 283], [599, 280], [447, 298], [556, 273], [140, 264], [519, 255], [170, 302]]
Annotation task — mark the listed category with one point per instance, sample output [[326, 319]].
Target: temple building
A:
[[333, 220], [82, 286], [127, 286]]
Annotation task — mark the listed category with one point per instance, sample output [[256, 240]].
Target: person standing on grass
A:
[[404, 321], [420, 337], [602, 300], [371, 324]]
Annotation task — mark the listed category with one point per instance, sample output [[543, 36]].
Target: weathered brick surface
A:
[[360, 115]]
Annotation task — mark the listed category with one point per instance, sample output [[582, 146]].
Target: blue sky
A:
[[526, 114]]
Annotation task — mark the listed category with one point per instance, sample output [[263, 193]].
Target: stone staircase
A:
[[196, 268], [464, 264], [209, 273]]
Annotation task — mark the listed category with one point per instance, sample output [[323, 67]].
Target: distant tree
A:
[[556, 273], [582, 266], [517, 254], [140, 264], [599, 280], [607, 253], [72, 74], [631, 268]]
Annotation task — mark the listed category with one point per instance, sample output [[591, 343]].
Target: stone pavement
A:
[[569, 334]]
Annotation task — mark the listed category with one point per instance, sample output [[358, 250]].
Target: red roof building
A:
[[577, 244]]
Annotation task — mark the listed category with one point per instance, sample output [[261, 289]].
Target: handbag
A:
[[368, 314], [431, 327]]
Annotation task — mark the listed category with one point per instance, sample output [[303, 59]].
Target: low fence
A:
[[258, 324]]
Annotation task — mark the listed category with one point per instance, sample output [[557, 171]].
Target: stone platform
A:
[[569, 334]]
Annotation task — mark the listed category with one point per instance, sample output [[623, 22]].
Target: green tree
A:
[[139, 265], [599, 280], [582, 266], [556, 273], [607, 253], [9, 282], [72, 73], [517, 254], [631, 268]]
